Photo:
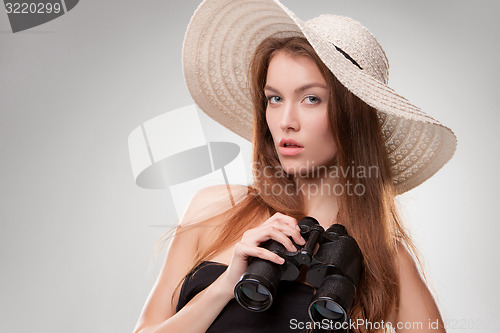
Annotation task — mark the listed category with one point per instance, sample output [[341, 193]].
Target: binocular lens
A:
[[254, 296], [328, 310], [254, 291]]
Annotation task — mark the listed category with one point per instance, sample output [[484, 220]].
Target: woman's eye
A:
[[312, 100], [274, 99]]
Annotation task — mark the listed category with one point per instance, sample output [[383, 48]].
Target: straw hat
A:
[[220, 41]]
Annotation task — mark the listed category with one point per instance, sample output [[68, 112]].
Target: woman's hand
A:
[[278, 227]]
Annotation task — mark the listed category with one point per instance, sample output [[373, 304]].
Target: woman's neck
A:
[[321, 195]]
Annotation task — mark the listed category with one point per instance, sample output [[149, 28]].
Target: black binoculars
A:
[[335, 270]]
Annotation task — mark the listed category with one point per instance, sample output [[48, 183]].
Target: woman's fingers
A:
[[279, 228], [293, 230], [282, 218], [256, 236], [294, 233], [239, 261], [244, 251]]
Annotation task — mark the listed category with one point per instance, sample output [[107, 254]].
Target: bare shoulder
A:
[[211, 202], [207, 211], [211, 209], [417, 304], [407, 265]]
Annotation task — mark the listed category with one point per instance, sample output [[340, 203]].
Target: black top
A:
[[288, 311]]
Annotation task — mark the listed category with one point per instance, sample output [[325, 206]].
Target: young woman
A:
[[330, 139]]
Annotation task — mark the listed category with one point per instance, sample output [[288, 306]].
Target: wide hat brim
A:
[[220, 41]]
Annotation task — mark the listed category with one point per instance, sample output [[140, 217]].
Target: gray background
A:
[[77, 235]]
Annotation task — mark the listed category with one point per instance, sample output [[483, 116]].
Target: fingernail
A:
[[297, 227], [282, 261]]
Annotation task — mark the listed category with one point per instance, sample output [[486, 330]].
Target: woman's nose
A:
[[289, 118]]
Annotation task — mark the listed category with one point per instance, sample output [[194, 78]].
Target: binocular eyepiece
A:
[[335, 270]]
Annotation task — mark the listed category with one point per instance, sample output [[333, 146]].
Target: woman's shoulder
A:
[[407, 264], [416, 303], [209, 211], [211, 203]]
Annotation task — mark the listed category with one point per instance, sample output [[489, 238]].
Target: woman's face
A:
[[297, 113]]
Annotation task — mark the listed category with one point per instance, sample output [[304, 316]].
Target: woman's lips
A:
[[289, 147], [290, 151]]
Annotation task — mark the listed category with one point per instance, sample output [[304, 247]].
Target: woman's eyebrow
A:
[[274, 90], [298, 90], [311, 85]]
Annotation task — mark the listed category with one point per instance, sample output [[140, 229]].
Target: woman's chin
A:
[[300, 166], [306, 169], [298, 170]]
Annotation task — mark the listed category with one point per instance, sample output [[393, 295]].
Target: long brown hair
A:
[[371, 218]]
